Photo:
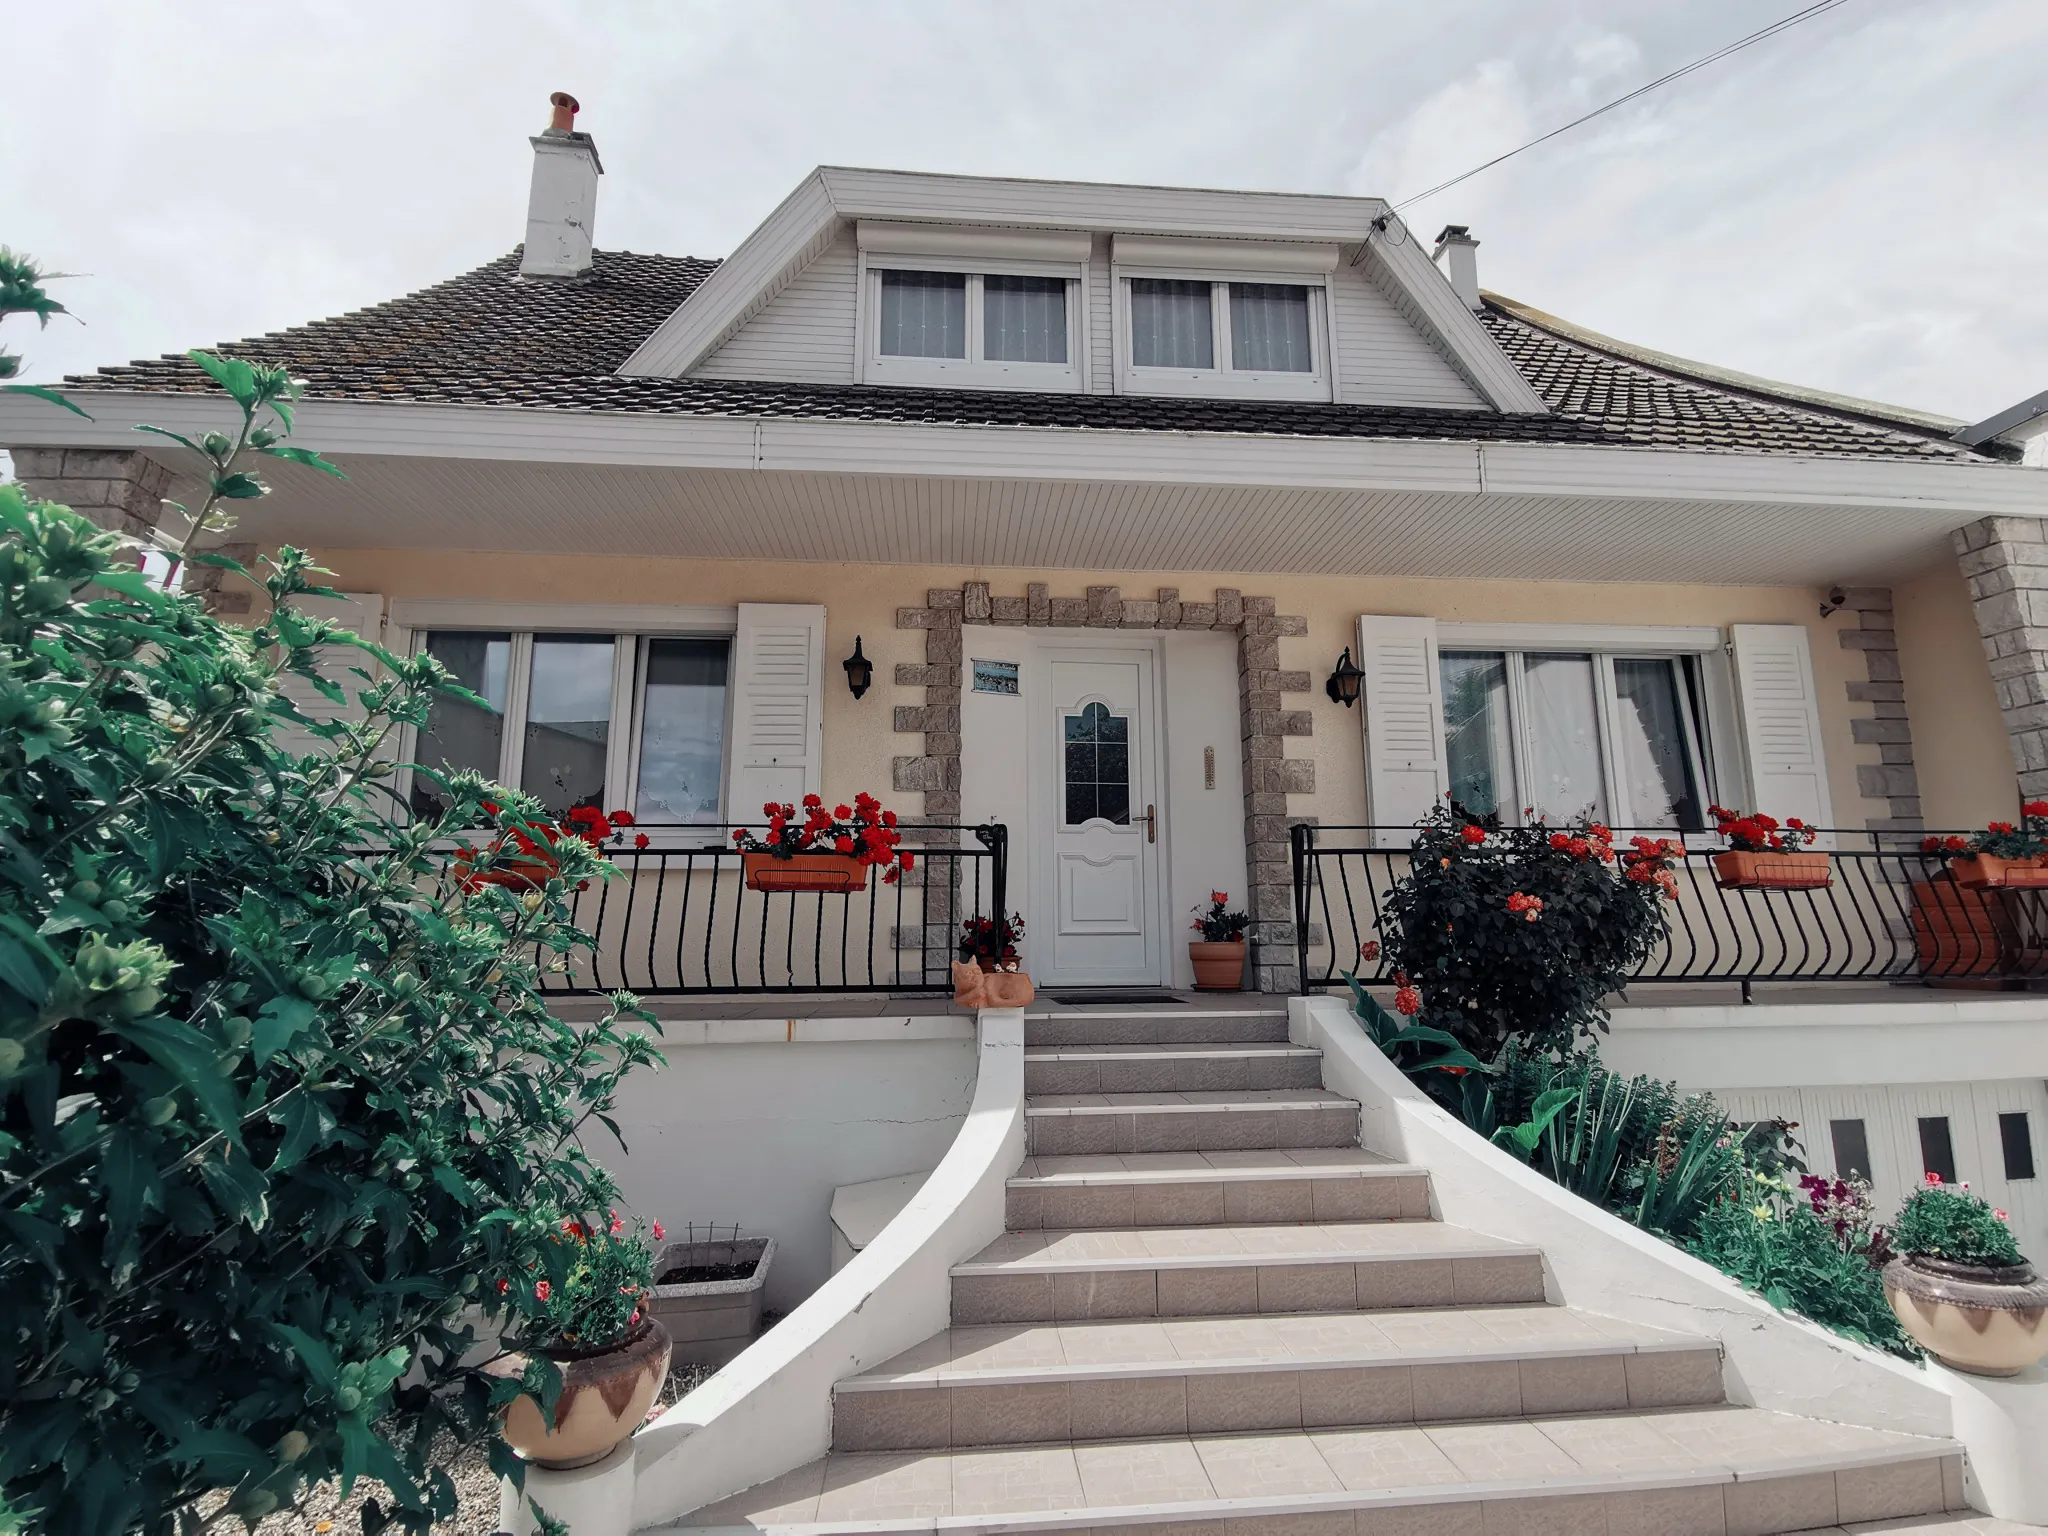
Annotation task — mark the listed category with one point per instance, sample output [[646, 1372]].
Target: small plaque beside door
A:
[[995, 677]]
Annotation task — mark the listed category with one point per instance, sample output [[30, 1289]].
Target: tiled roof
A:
[[491, 338]]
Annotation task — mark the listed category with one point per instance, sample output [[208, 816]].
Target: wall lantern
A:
[[859, 670], [1343, 684]]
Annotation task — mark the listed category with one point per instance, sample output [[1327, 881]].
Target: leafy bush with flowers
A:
[[862, 831], [1220, 925], [992, 940], [1520, 933], [1755, 832], [2025, 839], [524, 853], [1946, 1221], [581, 1287]]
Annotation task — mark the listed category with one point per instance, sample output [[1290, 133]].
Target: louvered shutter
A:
[[1781, 722], [360, 612], [1403, 709], [778, 707]]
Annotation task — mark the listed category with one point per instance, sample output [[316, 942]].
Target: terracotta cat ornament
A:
[[975, 988]]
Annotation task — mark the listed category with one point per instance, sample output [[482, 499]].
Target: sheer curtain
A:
[[568, 721], [1269, 328], [924, 314], [1024, 319], [1564, 777], [1482, 768], [1170, 325], [682, 731], [1656, 770]]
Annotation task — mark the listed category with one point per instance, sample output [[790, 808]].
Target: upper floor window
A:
[[973, 329], [1203, 336]]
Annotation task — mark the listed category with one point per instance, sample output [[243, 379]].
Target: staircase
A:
[[1213, 1306]]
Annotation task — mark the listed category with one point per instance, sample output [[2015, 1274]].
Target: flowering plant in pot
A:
[[579, 1304], [522, 857], [2003, 854], [1765, 854], [1218, 955], [991, 942], [1960, 1285], [820, 850]]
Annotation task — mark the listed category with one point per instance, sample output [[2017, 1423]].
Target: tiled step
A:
[[1171, 1068], [1167, 1189], [1078, 1124], [1120, 1380], [1719, 1471], [1153, 1027], [1060, 1276]]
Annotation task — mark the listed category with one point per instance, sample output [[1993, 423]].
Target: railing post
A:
[[999, 869], [1299, 837]]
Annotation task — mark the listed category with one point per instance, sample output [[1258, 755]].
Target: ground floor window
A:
[[1565, 733], [583, 720]]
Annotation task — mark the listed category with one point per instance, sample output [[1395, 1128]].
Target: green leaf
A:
[[40, 393], [313, 1354], [364, 1452], [308, 1124], [307, 457], [175, 437], [237, 1184], [128, 1172], [225, 1456], [239, 486], [193, 1059], [230, 373], [282, 1020]]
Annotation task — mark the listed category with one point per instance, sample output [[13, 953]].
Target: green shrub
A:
[[1791, 1257], [276, 1093], [1945, 1221]]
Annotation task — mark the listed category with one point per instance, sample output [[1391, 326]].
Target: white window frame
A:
[[972, 371], [1607, 644], [1224, 380], [630, 627]]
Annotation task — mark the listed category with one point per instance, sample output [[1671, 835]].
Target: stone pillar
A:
[[1892, 778], [121, 490], [2005, 561]]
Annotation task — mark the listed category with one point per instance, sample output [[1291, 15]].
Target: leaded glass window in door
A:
[[1098, 766]]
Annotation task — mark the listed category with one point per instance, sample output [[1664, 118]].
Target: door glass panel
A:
[[924, 314], [1097, 766], [1170, 324], [1482, 770], [459, 734], [1024, 319], [1656, 770], [568, 721], [1937, 1148], [1852, 1149], [1564, 738], [682, 731], [1269, 328]]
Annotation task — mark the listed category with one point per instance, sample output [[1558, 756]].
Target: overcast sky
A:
[[1859, 205]]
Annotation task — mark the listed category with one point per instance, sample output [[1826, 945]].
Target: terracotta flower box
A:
[[520, 872], [1740, 870], [1979, 871], [833, 874]]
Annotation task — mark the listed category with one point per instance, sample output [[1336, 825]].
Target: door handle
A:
[[1151, 823]]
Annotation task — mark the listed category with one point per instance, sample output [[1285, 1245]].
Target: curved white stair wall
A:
[[771, 1408]]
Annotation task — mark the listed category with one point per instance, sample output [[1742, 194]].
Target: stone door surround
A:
[[1264, 721]]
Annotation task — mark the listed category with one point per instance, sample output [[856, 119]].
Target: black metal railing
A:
[[679, 918], [1890, 912]]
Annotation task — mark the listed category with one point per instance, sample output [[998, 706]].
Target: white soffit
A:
[[959, 240], [1225, 255]]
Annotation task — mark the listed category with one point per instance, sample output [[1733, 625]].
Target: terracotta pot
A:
[[1981, 870], [1218, 967], [1740, 870], [605, 1395], [1983, 1318], [1955, 931], [834, 874], [520, 873]]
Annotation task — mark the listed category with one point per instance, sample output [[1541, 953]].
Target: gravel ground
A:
[[323, 1512]]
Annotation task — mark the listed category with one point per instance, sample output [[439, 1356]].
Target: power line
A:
[[1715, 57]]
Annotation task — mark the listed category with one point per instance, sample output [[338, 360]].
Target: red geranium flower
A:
[[641, 839], [542, 1290], [1473, 834]]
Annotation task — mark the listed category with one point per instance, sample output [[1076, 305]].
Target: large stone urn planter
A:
[[1988, 1319], [712, 1320], [605, 1395]]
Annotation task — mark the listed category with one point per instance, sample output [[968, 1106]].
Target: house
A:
[[1120, 491]]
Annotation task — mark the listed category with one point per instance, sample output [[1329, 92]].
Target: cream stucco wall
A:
[[1967, 776]]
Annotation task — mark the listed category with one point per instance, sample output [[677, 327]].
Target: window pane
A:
[[682, 731], [1024, 319], [1564, 738], [1937, 1148], [1852, 1149], [1476, 730], [1269, 328], [1098, 782], [568, 721], [1656, 770], [924, 314], [459, 734], [1170, 324], [2016, 1140]]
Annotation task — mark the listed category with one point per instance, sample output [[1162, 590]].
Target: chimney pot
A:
[[561, 210], [1457, 253]]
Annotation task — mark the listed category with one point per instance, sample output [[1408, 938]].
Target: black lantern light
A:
[[1343, 684], [860, 671]]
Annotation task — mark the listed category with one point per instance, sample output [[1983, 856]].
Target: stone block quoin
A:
[[2005, 562], [1892, 778]]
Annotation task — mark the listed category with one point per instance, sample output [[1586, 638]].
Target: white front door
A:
[[1099, 823]]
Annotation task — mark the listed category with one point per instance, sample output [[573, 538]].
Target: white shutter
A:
[[778, 707], [1781, 722], [1403, 715], [363, 614]]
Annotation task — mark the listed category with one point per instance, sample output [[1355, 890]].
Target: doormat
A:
[[1119, 995]]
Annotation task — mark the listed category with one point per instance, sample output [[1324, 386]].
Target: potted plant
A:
[[1218, 955], [2002, 854], [1960, 1285], [1766, 855], [523, 857], [1956, 932], [580, 1302], [824, 851], [991, 942], [708, 1291]]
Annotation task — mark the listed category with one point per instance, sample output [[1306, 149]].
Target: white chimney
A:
[[563, 207], [1458, 254]]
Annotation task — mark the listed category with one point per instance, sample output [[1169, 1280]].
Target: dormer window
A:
[[927, 314], [1223, 317], [1180, 324]]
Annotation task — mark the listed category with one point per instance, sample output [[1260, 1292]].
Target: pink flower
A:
[[618, 1226], [1933, 1177], [542, 1290], [1369, 951], [658, 1233], [2000, 1214]]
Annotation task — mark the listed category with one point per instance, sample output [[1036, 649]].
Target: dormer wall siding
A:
[[806, 334]]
